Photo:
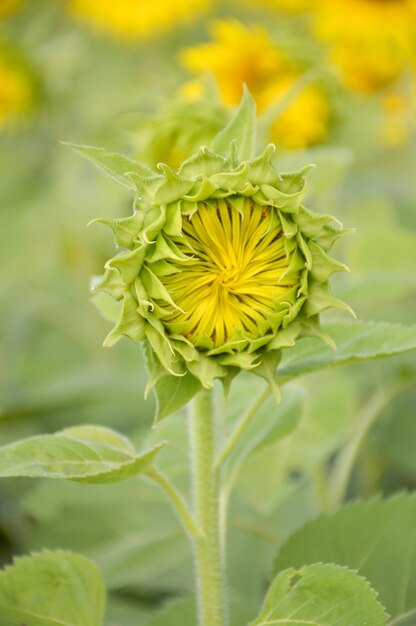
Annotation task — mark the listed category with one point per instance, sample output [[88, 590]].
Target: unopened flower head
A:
[[221, 264]]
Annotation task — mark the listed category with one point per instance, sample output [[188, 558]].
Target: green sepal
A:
[[203, 163], [243, 360], [286, 337], [145, 187], [162, 347], [311, 328], [321, 298], [241, 129], [295, 182], [206, 369], [267, 369], [153, 224], [109, 308], [125, 229], [311, 223], [232, 372], [128, 264], [322, 265], [129, 323], [262, 170], [331, 233], [154, 287], [115, 165], [173, 393], [171, 186], [173, 220], [110, 283]]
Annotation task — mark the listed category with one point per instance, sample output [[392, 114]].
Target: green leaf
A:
[[377, 538], [241, 128], [173, 392], [51, 589], [84, 453], [321, 595], [355, 341], [113, 164]]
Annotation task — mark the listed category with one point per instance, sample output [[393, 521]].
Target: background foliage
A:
[[339, 435]]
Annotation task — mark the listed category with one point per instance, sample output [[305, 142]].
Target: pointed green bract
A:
[[174, 392], [220, 266], [241, 129], [113, 164]]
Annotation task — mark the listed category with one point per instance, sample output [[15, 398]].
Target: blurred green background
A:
[[155, 80]]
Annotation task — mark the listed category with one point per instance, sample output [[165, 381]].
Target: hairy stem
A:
[[176, 500], [209, 558]]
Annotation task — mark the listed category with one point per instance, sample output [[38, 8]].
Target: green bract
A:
[[220, 266]]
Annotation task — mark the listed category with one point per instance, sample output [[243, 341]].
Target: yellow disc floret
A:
[[234, 278]]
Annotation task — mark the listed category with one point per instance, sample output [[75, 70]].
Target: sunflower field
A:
[[207, 410]]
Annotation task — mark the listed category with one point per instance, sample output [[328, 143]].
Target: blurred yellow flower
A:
[[9, 6], [16, 91], [241, 55], [283, 5], [305, 120], [237, 55], [370, 40], [137, 19], [398, 115]]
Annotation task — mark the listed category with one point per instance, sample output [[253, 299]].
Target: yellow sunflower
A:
[[370, 40], [16, 91], [306, 118], [398, 115], [292, 6], [7, 7], [239, 55], [137, 19]]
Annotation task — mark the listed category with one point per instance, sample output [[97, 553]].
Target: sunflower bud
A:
[[221, 266]]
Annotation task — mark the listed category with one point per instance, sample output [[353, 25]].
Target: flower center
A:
[[233, 283]]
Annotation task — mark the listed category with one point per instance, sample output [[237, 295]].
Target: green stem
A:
[[207, 548], [242, 427], [176, 500]]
